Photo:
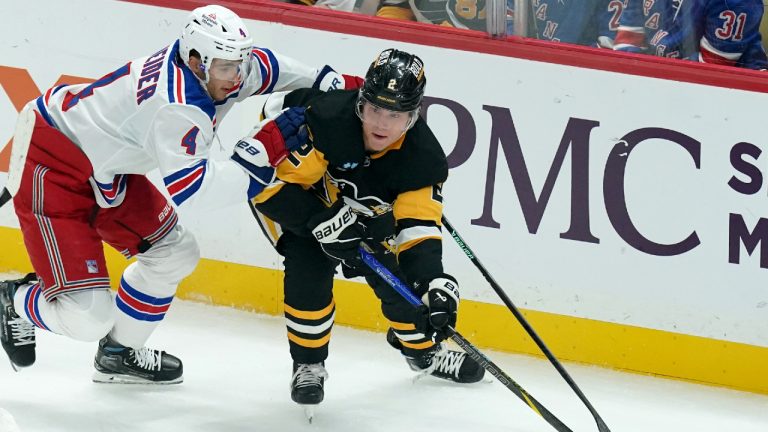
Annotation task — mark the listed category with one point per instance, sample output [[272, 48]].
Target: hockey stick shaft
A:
[[470, 349], [601, 426]]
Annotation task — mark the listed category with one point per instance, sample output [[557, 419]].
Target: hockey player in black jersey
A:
[[373, 171]]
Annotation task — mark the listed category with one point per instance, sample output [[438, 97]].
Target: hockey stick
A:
[[21, 141], [601, 426], [472, 352], [5, 196]]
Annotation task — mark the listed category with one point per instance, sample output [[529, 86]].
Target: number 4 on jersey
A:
[[73, 99]]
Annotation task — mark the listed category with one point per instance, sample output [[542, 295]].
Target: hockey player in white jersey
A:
[[77, 177]]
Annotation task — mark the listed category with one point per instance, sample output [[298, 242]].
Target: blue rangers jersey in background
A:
[[583, 22], [710, 31]]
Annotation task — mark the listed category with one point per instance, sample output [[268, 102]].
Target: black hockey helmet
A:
[[395, 81]]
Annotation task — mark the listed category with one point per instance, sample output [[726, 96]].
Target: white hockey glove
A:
[[328, 79], [442, 299]]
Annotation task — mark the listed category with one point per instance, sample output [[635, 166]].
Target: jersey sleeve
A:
[[181, 137], [272, 72], [418, 236], [304, 166], [731, 28]]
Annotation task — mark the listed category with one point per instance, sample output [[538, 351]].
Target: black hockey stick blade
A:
[[601, 426]]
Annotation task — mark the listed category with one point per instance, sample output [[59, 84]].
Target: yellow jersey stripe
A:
[[407, 245]]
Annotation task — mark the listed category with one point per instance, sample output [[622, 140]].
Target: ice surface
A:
[[237, 370]]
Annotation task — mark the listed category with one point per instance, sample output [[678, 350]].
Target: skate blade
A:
[[107, 378], [309, 412], [17, 368]]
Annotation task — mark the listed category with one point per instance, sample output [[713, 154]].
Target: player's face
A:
[[223, 77], [382, 127]]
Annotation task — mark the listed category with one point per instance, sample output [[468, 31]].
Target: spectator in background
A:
[[464, 14], [722, 32], [341, 5], [588, 22], [582, 22]]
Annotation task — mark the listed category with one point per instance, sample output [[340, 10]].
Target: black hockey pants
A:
[[309, 304]]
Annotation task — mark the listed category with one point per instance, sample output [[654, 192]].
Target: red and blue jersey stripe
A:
[[184, 183], [112, 191], [269, 68], [140, 306], [183, 86], [42, 104]]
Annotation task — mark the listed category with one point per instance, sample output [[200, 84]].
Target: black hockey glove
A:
[[339, 232], [442, 301]]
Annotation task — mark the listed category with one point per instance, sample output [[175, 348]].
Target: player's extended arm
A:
[[273, 72], [259, 152]]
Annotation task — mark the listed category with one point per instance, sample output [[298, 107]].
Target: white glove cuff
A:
[[328, 231], [445, 286]]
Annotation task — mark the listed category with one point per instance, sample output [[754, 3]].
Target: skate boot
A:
[[307, 383], [441, 362], [118, 364], [18, 335], [307, 386]]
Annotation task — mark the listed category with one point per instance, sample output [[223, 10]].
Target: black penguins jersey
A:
[[399, 187]]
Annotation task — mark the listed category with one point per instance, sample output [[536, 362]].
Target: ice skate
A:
[[307, 386], [117, 364], [447, 364], [18, 335], [441, 362]]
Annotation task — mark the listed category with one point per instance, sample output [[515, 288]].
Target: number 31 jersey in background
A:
[[710, 31]]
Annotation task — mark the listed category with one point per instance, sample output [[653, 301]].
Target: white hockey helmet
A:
[[215, 32]]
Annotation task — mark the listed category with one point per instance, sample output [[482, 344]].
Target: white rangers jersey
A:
[[155, 113]]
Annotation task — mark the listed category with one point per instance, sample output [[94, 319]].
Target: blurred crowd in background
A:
[[725, 32]]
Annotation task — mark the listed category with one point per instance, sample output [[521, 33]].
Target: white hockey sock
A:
[[85, 316], [148, 286], [140, 309]]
